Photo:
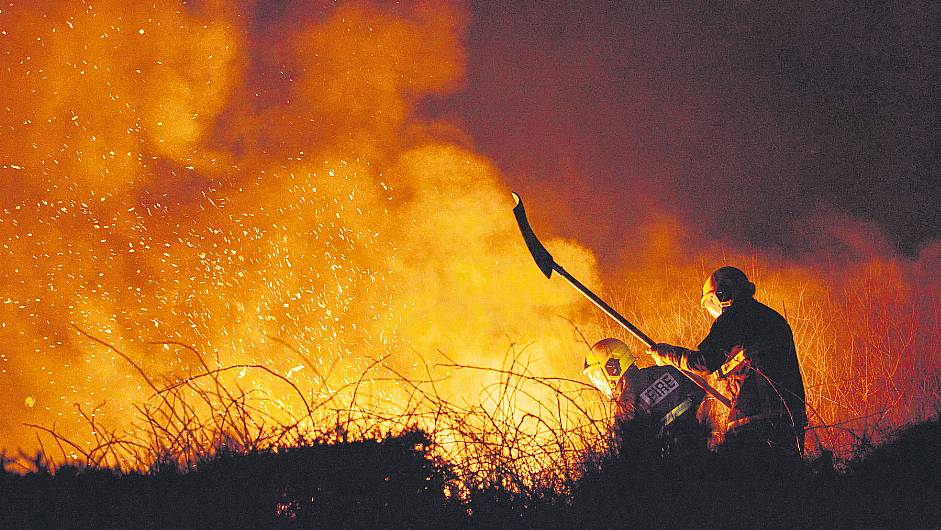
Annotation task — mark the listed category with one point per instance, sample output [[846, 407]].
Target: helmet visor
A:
[[596, 374], [710, 302]]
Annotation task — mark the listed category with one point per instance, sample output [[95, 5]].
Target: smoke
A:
[[740, 121]]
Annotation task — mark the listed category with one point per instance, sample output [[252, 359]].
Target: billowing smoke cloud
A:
[[740, 121]]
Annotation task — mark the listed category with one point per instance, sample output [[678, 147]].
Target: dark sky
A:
[[753, 123]]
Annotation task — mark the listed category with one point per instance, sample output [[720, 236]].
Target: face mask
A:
[[711, 303], [605, 376], [597, 378]]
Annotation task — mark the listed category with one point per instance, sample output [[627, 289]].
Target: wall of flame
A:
[[170, 174]]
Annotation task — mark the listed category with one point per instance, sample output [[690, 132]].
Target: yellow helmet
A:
[[607, 361]]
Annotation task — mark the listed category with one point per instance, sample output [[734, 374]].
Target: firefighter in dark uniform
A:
[[660, 391], [751, 349]]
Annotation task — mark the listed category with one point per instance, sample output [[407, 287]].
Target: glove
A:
[[661, 354]]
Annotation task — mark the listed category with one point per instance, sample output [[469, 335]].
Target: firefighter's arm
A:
[[682, 358], [708, 357]]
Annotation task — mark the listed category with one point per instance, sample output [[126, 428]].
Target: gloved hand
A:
[[661, 354]]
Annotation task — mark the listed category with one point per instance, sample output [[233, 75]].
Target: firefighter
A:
[[660, 391], [751, 349]]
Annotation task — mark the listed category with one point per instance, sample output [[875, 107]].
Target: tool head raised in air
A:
[[542, 257]]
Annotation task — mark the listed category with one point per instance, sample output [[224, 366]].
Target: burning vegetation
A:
[[217, 237], [193, 207]]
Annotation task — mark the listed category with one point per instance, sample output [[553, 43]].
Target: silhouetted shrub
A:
[[650, 481], [396, 481], [393, 482]]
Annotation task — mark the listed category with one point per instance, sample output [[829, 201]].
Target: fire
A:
[[178, 204], [191, 201]]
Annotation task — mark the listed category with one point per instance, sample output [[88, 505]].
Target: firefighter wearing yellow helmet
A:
[[750, 348], [606, 363], [660, 391]]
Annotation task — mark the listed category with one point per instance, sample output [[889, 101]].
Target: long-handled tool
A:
[[546, 264]]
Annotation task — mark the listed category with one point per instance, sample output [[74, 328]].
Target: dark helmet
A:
[[724, 287]]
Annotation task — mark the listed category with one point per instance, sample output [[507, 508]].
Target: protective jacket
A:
[[661, 391], [751, 348]]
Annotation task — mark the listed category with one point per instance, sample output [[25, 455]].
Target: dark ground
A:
[[396, 483]]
